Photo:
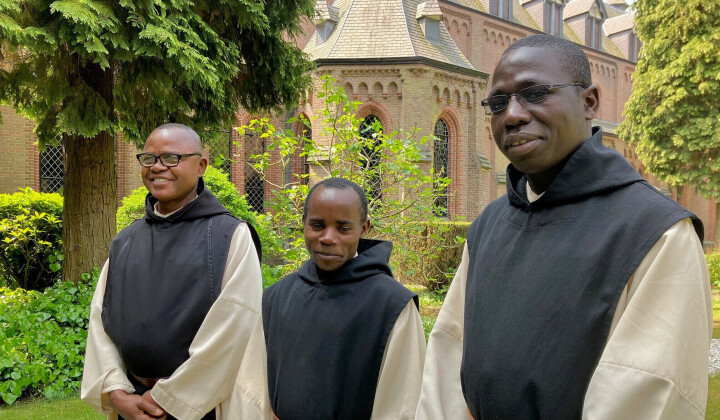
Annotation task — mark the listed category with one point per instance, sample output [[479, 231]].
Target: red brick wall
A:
[[19, 153]]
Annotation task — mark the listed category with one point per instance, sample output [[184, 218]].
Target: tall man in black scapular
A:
[[178, 298], [584, 291], [344, 338]]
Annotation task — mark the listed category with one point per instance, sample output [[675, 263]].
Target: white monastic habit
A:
[[221, 347], [655, 362]]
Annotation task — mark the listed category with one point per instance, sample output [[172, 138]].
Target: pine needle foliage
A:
[[193, 62]]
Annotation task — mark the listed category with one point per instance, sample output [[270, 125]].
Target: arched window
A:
[[307, 135], [51, 169], [441, 165], [254, 183], [369, 128]]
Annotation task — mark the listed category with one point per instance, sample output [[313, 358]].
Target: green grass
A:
[[713, 406], [430, 303], [61, 409], [716, 314]]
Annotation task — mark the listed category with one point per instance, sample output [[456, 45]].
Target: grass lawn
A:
[[430, 303], [64, 409]]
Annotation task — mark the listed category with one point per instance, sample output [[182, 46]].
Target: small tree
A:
[[400, 191]]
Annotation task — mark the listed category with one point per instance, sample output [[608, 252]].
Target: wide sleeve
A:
[[398, 387], [207, 377], [441, 396], [655, 363], [104, 370]]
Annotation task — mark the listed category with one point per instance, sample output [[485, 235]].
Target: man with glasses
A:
[[178, 298], [583, 292]]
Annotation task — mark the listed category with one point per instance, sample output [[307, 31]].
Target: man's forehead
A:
[[526, 66], [173, 138]]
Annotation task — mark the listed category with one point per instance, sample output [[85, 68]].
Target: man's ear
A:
[[365, 227], [202, 165], [591, 99]]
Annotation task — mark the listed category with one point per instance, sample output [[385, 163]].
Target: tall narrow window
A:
[[441, 166], [51, 169], [553, 21], [369, 129], [593, 28], [501, 8], [307, 135], [634, 47], [254, 183]]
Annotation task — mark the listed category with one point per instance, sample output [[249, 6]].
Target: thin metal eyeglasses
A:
[[532, 95], [167, 159]]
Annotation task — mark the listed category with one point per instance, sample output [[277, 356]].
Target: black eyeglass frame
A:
[[524, 99], [160, 157]]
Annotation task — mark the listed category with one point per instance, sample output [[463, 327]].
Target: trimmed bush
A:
[[42, 339], [216, 181], [428, 253], [30, 239]]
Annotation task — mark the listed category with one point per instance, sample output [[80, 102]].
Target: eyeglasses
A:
[[528, 95], [167, 159]]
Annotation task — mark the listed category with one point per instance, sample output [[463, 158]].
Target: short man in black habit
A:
[[177, 300], [344, 339], [583, 292]]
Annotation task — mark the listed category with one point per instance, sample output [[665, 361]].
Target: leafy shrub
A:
[[430, 252], [30, 239], [713, 262], [42, 339], [133, 206]]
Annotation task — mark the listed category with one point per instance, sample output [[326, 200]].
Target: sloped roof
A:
[[428, 8], [578, 7], [522, 16], [472, 4], [368, 29], [619, 23], [613, 10]]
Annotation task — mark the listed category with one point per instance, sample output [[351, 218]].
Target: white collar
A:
[[531, 196]]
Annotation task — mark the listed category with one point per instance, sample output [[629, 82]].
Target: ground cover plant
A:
[[42, 339]]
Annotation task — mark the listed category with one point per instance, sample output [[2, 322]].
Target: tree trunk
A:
[[90, 193], [90, 189]]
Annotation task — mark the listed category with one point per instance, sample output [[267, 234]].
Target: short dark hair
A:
[[194, 137], [568, 53], [340, 184]]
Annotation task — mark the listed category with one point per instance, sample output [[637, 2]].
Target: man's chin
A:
[[328, 264]]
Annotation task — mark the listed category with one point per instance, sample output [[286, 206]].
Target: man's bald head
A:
[[190, 134]]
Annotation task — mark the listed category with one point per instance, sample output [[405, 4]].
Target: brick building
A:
[[425, 65]]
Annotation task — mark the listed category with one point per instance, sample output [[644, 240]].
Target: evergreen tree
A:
[[87, 70], [673, 115]]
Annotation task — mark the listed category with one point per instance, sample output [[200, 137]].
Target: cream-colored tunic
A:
[[655, 363], [221, 348]]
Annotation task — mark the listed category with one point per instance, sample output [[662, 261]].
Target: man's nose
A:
[[515, 114], [328, 236], [158, 166]]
